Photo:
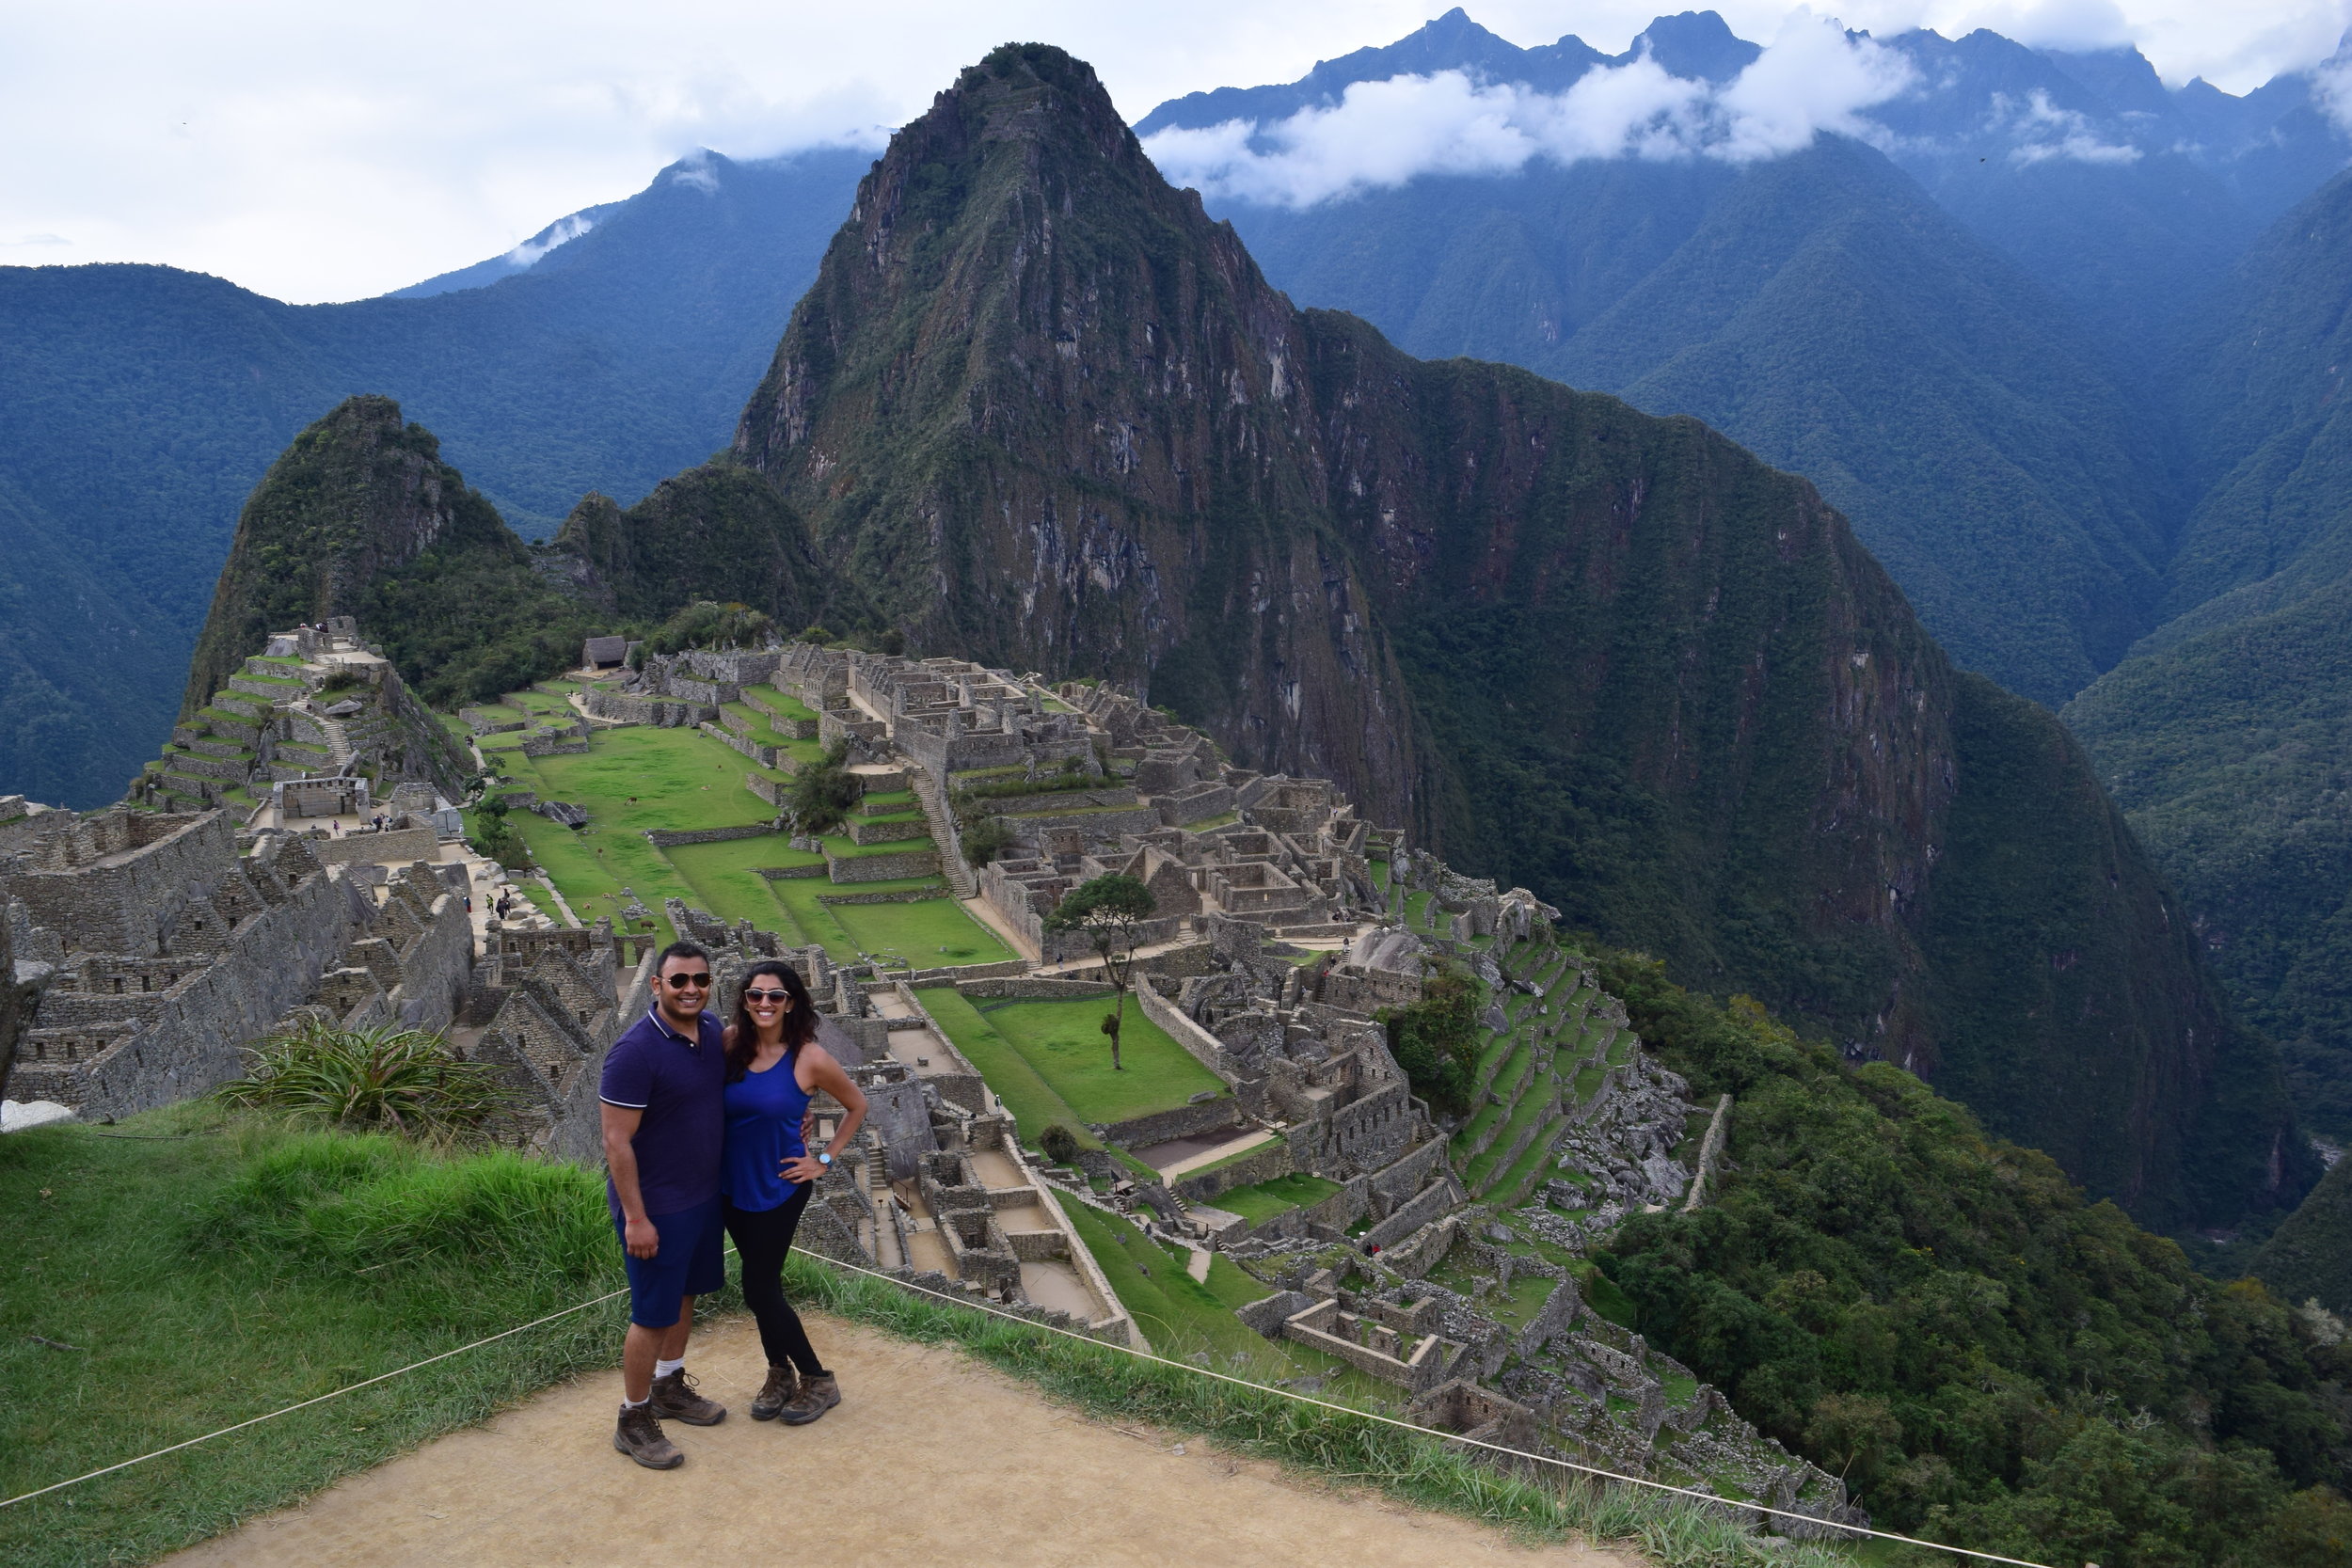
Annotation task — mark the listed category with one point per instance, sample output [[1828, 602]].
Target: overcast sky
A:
[[319, 152]]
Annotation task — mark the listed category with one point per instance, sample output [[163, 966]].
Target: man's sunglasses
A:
[[767, 996], [695, 982]]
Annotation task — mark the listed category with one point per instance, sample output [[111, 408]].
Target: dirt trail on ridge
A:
[[930, 1458]]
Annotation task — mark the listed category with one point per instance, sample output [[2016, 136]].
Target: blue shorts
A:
[[691, 1261]]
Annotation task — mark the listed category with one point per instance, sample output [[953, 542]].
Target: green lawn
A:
[[801, 898], [1063, 1043], [638, 778], [143, 1248], [1033, 1101], [784, 704], [935, 932], [1263, 1200]]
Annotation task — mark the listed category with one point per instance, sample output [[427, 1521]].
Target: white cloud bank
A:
[[1811, 78]]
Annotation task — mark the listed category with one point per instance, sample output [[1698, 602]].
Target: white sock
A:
[[663, 1368], [633, 1404]]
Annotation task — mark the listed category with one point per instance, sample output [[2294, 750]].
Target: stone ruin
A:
[[158, 945], [318, 724]]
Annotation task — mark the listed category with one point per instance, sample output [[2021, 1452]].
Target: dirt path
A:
[[930, 1458]]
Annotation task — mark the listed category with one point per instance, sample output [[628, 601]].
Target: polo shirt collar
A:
[[662, 1023]]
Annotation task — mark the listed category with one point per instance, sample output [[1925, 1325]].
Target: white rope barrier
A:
[[991, 1310]]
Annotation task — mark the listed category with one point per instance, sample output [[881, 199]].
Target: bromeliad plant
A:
[[398, 1080]]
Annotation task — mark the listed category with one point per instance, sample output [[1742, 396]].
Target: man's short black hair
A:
[[679, 950]]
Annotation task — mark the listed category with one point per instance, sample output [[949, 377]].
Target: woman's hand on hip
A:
[[801, 1169]]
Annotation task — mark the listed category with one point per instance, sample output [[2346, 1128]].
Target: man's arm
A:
[[620, 1157]]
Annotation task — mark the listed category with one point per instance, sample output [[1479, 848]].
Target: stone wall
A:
[[882, 868], [1184, 1121], [1431, 1203], [1262, 1164], [1037, 987], [272, 966], [132, 905], [662, 838], [396, 847], [1204, 1046]]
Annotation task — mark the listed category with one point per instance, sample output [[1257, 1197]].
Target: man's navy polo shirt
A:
[[681, 1086]]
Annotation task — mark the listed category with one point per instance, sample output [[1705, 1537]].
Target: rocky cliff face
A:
[[1045, 413]]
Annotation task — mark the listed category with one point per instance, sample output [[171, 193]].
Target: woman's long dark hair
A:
[[800, 1018]]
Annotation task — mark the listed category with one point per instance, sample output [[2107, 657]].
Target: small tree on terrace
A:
[[823, 791], [1111, 912]]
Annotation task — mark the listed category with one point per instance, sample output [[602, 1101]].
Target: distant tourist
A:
[[774, 1065], [663, 1093]]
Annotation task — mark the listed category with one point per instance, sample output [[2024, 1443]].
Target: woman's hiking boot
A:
[[818, 1393], [675, 1400], [782, 1382], [638, 1435]]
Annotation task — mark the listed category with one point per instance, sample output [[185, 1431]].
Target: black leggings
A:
[[762, 1237]]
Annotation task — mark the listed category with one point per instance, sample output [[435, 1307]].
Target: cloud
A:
[[2072, 24], [562, 232], [35, 242], [1811, 78], [2046, 132]]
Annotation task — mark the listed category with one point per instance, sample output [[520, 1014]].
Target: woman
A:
[[774, 1065]]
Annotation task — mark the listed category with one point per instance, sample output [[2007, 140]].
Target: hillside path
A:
[[929, 1458]]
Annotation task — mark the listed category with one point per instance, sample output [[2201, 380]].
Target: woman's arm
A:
[[826, 1074]]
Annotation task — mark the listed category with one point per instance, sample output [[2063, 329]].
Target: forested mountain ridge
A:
[[140, 405], [615, 345], [1047, 414], [2227, 737], [1949, 338]]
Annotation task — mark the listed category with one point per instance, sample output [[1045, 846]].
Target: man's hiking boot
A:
[[782, 1384], [675, 1400], [818, 1395], [638, 1435]]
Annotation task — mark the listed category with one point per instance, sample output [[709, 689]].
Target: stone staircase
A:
[[943, 824]]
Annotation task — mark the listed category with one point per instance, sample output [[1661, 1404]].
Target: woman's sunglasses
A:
[[767, 996]]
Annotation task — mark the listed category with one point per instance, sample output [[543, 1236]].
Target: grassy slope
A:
[[122, 1245]]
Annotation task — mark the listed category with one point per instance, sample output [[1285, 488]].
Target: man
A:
[[663, 1119]]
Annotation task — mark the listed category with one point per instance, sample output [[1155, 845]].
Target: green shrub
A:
[[985, 840], [1058, 1144], [407, 1081], [707, 625], [823, 792], [1435, 1039]]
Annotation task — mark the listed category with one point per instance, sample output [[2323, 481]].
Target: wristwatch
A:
[[824, 1159]]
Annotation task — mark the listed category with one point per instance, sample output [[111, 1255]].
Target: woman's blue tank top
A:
[[764, 1111]]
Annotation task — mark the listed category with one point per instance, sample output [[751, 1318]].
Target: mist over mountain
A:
[[1926, 274]]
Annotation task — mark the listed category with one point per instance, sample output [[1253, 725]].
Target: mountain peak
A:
[[1699, 44]]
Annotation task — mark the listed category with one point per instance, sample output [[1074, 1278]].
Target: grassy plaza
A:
[[1049, 1061], [636, 778]]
